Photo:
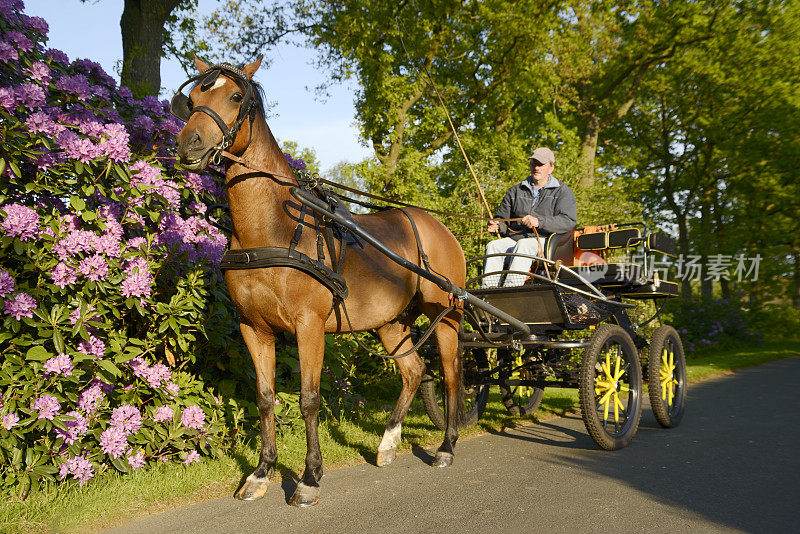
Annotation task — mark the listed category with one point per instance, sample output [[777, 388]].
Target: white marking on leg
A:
[[391, 438], [254, 478]]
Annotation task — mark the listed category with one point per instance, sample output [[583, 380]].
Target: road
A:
[[732, 466]]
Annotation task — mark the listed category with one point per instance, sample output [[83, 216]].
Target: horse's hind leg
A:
[[311, 346], [447, 339], [396, 338], [262, 349]]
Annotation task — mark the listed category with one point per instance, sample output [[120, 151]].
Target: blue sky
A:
[[91, 30]]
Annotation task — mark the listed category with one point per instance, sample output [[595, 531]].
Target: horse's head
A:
[[219, 112]]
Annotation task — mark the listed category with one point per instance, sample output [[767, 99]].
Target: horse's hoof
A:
[[252, 489], [305, 496], [443, 459], [386, 457]]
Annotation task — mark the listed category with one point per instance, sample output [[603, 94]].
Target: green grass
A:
[[116, 499]]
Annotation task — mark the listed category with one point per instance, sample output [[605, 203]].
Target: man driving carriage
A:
[[544, 206]]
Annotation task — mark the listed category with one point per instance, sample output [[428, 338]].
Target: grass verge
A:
[[116, 499]]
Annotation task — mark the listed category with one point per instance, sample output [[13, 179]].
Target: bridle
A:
[[181, 105]]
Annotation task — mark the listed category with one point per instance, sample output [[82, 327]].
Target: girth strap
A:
[[257, 258]]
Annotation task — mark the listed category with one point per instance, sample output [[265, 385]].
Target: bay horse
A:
[[382, 295]]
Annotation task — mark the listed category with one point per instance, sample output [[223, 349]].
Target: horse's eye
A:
[[236, 97]]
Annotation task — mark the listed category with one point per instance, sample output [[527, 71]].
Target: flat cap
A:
[[543, 155]]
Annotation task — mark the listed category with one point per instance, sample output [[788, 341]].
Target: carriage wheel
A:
[[611, 387], [475, 396], [666, 372], [519, 400]]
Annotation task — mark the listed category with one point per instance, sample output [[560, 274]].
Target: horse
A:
[[382, 295]]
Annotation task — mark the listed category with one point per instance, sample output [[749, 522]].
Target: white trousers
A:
[[529, 245]]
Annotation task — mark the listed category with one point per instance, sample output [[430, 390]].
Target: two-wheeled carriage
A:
[[585, 284]]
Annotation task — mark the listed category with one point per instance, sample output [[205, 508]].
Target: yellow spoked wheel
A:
[[666, 376], [610, 387], [518, 399]]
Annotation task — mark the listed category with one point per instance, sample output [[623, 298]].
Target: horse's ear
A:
[[251, 69], [201, 65]]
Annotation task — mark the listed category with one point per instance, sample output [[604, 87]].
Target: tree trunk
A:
[[142, 25], [796, 288], [589, 137], [683, 245]]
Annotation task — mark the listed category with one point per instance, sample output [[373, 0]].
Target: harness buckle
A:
[[247, 257]]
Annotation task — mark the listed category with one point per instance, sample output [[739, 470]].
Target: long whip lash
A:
[[447, 114]]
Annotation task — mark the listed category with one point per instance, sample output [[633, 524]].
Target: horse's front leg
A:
[[261, 345], [311, 346]]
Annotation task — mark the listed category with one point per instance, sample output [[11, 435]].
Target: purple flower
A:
[[21, 41], [94, 267], [91, 397], [128, 418], [61, 364], [57, 55], [75, 428], [173, 388], [78, 85], [31, 96], [37, 24], [20, 221], [163, 413], [10, 420], [21, 306], [137, 460], [48, 407], [8, 52], [193, 417], [94, 347], [79, 467], [6, 283], [8, 99], [113, 441], [137, 285], [192, 456], [41, 122], [62, 275], [137, 242], [115, 145]]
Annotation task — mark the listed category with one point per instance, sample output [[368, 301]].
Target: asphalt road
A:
[[733, 465]]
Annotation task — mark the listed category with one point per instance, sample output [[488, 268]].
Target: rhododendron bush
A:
[[113, 311]]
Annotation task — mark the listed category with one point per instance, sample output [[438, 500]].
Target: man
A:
[[543, 203]]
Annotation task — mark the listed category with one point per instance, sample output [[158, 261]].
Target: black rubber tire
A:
[[475, 397], [668, 414], [593, 409], [520, 400]]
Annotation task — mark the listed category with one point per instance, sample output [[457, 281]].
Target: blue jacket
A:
[[556, 209]]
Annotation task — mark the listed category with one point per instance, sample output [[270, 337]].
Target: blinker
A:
[[210, 80], [179, 106]]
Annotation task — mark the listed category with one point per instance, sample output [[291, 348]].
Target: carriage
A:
[[575, 301]]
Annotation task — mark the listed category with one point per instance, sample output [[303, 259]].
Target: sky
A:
[[91, 30]]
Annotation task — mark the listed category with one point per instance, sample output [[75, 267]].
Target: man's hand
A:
[[530, 221], [493, 227]]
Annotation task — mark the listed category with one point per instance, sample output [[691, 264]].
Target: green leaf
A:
[[14, 168], [78, 167], [77, 202], [2, 165], [58, 341], [109, 367], [120, 464], [38, 353]]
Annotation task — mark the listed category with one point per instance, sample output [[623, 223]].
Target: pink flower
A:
[[74, 428], [20, 221], [173, 388], [193, 417], [63, 275], [10, 420], [61, 364], [90, 398], [128, 418], [21, 306], [48, 407], [79, 467], [163, 413], [94, 347], [137, 460], [6, 283], [113, 441], [94, 267], [191, 456]]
